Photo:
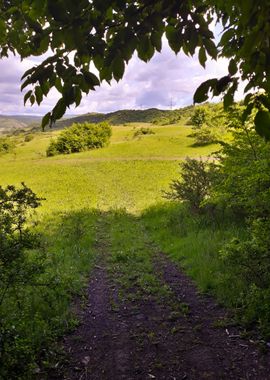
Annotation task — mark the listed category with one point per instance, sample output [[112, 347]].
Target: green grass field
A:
[[130, 173]]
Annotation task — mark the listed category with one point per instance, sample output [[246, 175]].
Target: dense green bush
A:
[[28, 137], [198, 118], [249, 261], [143, 131], [203, 136], [80, 137], [243, 188], [19, 269], [244, 173], [6, 145]]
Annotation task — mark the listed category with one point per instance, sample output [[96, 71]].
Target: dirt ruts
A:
[[148, 337]]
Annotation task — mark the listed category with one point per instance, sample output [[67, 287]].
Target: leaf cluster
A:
[[104, 35]]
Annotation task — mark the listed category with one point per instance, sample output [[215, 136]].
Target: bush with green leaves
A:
[[249, 262], [244, 172], [203, 136], [80, 137], [19, 269], [28, 137], [143, 131], [198, 118], [197, 177], [243, 189], [6, 145]]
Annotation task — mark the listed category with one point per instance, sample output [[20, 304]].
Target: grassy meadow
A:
[[127, 177], [130, 173]]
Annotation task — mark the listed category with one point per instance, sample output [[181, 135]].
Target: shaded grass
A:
[[32, 317], [130, 259], [194, 242]]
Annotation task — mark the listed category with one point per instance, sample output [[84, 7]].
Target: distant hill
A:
[[151, 115], [16, 123], [12, 123], [9, 125]]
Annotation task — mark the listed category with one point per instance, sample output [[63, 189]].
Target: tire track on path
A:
[[219, 353], [144, 318]]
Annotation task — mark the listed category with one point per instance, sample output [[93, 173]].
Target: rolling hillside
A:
[[151, 115], [11, 123]]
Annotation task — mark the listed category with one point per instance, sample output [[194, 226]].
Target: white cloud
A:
[[165, 78]]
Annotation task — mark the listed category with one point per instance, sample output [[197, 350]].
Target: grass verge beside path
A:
[[32, 317], [194, 243]]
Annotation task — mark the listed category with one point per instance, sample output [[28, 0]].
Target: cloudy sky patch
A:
[[167, 80]]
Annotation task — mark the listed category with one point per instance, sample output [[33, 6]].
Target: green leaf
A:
[[202, 56], [262, 124], [90, 78], [156, 40], [175, 38], [32, 99], [39, 95], [78, 96], [229, 96], [247, 112], [26, 83], [210, 48], [45, 120], [145, 49], [226, 37], [201, 94], [59, 110], [45, 87], [118, 68], [58, 85], [193, 41], [232, 67], [222, 84], [27, 96]]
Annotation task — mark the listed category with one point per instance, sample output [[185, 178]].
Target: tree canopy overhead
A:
[[106, 34]]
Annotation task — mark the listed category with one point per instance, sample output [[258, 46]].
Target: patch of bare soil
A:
[[156, 338], [210, 352]]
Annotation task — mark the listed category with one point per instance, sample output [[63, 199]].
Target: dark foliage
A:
[[194, 186]]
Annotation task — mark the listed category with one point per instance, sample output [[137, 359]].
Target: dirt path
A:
[[129, 332]]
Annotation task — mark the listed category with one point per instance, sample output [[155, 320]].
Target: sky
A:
[[167, 81]]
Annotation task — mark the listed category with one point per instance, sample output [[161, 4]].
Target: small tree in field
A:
[[80, 137], [194, 185], [198, 118]]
